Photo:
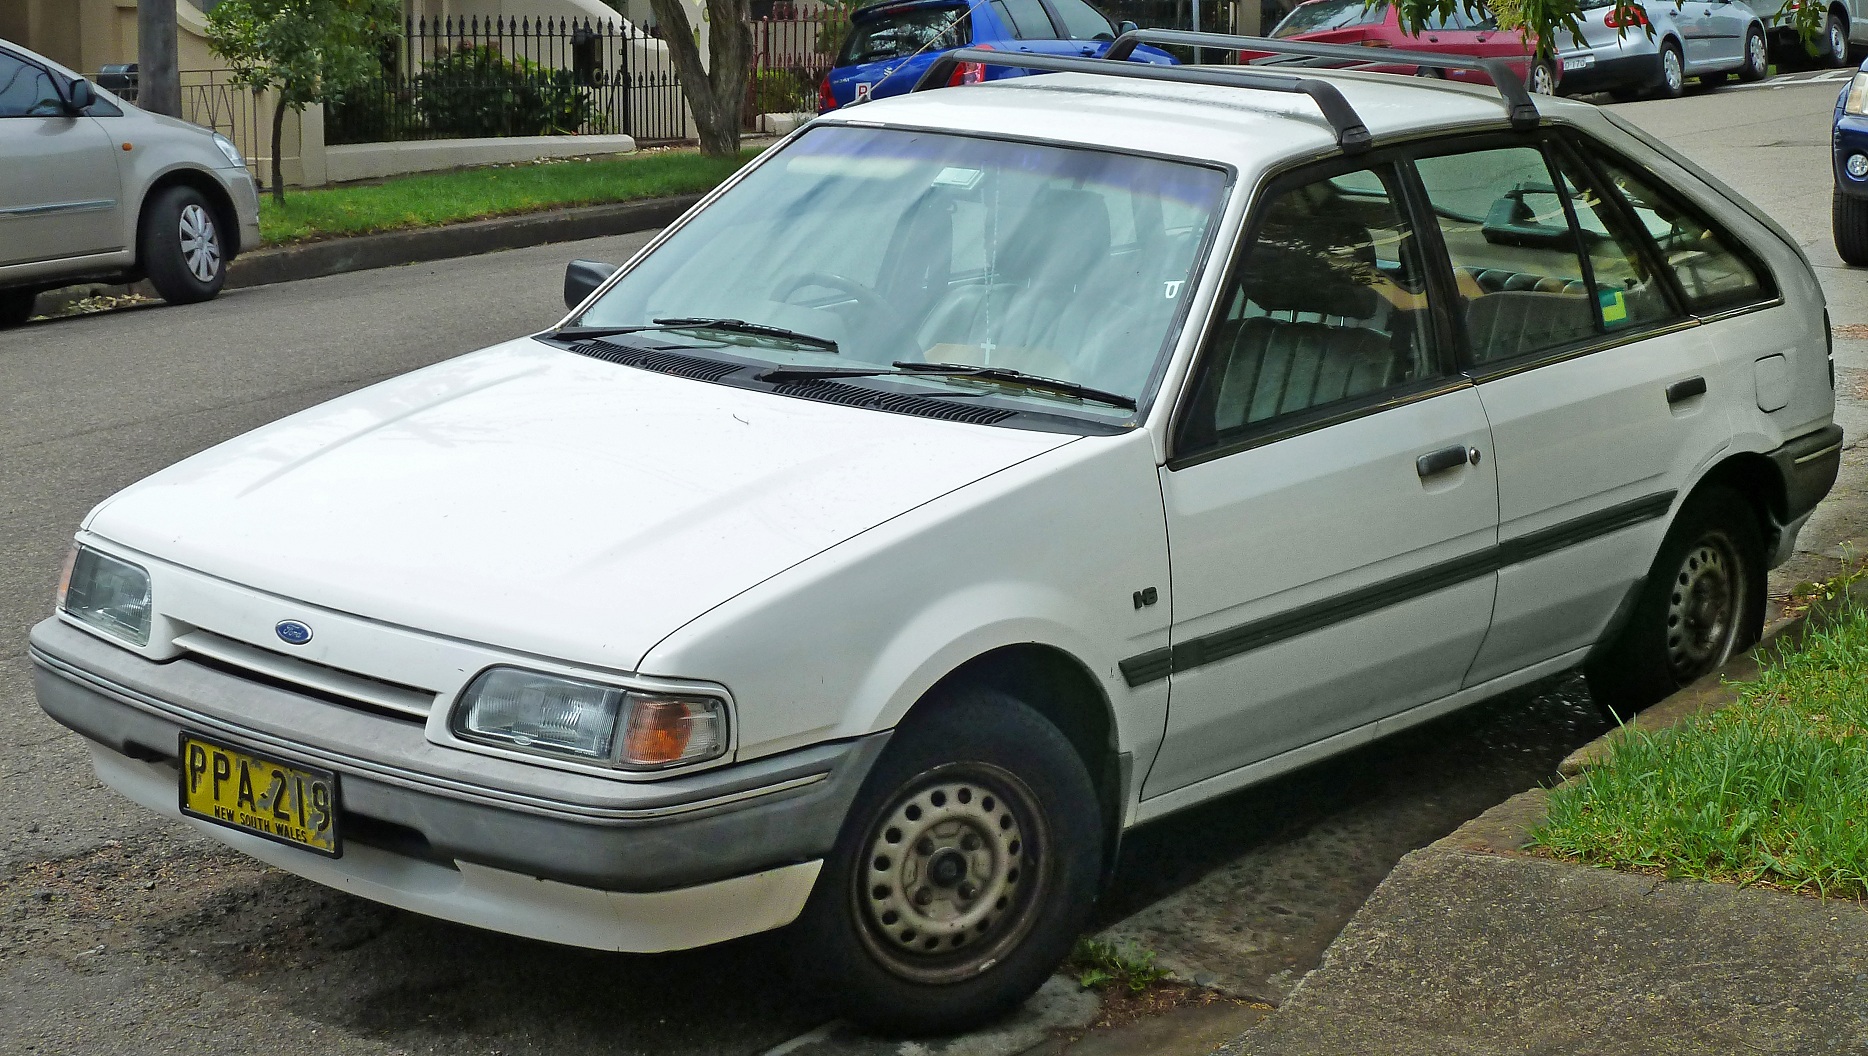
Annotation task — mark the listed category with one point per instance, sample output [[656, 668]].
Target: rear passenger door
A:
[[1330, 495], [1603, 397]]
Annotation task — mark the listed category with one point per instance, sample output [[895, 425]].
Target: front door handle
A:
[[1444, 459], [1686, 390]]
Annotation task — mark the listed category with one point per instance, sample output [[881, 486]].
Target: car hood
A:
[[534, 499]]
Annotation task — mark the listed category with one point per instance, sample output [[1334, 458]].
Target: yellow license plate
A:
[[259, 794]]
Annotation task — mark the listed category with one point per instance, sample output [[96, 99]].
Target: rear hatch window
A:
[[1320, 16], [904, 31]]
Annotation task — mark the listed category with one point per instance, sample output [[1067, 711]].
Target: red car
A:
[[1378, 25]]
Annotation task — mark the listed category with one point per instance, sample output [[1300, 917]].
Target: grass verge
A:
[[432, 199], [1771, 790]]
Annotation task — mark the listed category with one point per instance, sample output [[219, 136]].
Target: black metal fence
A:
[[471, 78], [211, 99], [789, 57]]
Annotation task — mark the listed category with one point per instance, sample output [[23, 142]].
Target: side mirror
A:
[[80, 96], [1127, 27], [582, 278]]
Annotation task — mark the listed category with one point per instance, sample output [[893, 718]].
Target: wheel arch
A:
[[225, 216], [1063, 690], [1756, 477]]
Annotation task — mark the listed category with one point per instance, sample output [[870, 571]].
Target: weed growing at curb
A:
[[1101, 965], [1771, 790]]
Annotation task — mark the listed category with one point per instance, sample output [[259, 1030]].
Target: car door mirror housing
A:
[[80, 96], [581, 279], [1127, 27]]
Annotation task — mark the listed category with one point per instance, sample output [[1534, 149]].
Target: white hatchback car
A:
[[94, 190], [978, 475]]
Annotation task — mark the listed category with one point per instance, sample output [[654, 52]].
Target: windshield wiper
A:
[[741, 326], [955, 370], [737, 326]]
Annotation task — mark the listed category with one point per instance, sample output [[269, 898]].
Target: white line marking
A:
[[784, 1048]]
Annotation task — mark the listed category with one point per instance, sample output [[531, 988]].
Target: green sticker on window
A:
[[1614, 307]]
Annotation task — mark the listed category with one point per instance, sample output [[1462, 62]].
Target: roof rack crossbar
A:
[[1518, 105], [1351, 134]]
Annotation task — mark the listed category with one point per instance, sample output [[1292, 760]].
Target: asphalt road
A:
[[123, 934]]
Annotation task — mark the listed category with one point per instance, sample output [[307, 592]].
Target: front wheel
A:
[[1702, 602], [180, 246], [1672, 72], [1849, 223], [964, 873], [1542, 79], [1757, 56], [1835, 42]]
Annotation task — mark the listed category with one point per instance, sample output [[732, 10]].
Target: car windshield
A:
[[911, 248], [898, 33], [1321, 15]]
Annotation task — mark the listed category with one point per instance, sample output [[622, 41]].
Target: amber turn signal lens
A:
[[660, 730]]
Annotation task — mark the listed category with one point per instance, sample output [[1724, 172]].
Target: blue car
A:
[[1850, 146], [891, 44]]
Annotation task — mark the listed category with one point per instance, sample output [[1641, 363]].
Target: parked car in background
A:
[[1844, 30], [891, 44], [1849, 144], [1631, 48], [94, 190], [1454, 33]]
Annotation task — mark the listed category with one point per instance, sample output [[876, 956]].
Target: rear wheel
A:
[[16, 306], [1672, 72], [1702, 602], [1542, 79], [181, 247], [1835, 42], [1849, 223], [1757, 56], [964, 873]]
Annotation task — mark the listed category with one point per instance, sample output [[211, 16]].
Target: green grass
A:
[[1099, 965], [1771, 790], [470, 194]]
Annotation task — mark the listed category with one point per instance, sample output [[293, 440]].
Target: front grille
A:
[[304, 676]]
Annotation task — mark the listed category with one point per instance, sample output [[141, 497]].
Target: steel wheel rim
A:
[[1672, 69], [952, 873], [1755, 54], [1703, 608], [201, 246]]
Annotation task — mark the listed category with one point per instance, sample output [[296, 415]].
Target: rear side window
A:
[[1321, 15], [1027, 19], [26, 90], [1326, 310], [1081, 21], [1714, 271], [896, 34]]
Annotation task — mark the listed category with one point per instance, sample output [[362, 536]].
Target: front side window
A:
[[1326, 309], [1713, 272], [903, 33], [1027, 19], [27, 90], [1083, 22], [930, 248]]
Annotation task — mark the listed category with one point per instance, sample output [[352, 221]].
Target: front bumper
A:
[[584, 860], [1850, 137], [243, 191]]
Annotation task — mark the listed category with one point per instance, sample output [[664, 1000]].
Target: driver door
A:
[[58, 172]]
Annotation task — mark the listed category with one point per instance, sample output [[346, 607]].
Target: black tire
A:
[[16, 306], [1670, 77], [1701, 604], [1541, 79], [982, 795], [180, 246], [1757, 56], [1833, 50], [1849, 222]]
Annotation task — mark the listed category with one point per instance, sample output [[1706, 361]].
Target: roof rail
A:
[[1351, 134], [1518, 105]]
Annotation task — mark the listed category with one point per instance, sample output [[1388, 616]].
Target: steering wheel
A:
[[878, 308]]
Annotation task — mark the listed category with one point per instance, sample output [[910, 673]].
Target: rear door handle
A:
[[1686, 389], [1444, 459]]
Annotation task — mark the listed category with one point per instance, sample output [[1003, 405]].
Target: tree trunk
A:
[[717, 95], [158, 80], [278, 145]]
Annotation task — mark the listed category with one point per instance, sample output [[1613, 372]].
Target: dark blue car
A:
[[1850, 148], [891, 44]]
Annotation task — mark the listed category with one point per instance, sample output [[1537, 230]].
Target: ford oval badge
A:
[[292, 632]]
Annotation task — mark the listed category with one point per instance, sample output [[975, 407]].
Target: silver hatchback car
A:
[[94, 190], [1628, 49]]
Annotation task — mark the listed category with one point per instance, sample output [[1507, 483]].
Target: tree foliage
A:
[[305, 51], [716, 93]]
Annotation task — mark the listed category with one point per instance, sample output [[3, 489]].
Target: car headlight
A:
[[228, 148], [109, 594], [578, 719], [1856, 99]]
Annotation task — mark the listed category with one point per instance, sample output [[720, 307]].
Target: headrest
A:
[[1063, 234], [1284, 279]]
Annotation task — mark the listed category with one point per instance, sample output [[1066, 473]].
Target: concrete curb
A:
[[311, 260]]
